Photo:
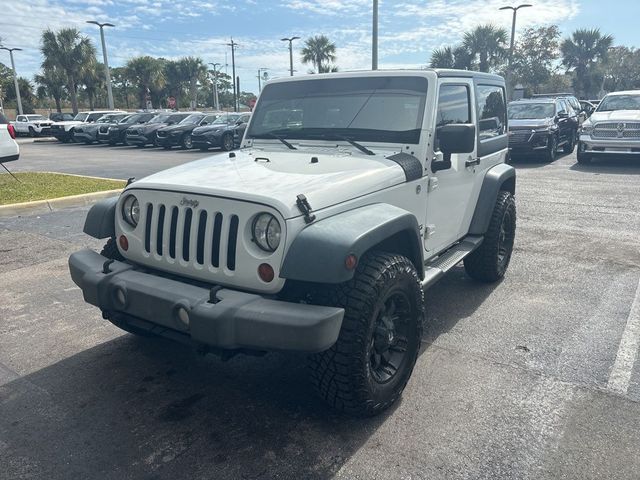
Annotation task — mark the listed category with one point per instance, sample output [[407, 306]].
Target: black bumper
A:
[[84, 137], [237, 320], [62, 135], [535, 143], [168, 141], [137, 139], [200, 141]]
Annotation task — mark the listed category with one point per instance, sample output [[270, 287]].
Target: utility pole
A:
[[106, 62], [374, 37], [260, 70], [512, 44], [290, 40], [15, 76], [215, 86], [233, 46]]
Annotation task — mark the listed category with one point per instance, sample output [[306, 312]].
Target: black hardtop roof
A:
[[552, 95], [534, 100]]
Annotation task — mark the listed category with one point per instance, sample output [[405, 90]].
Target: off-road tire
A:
[[570, 145], [344, 374], [226, 142], [552, 150], [32, 132], [110, 250], [490, 261]]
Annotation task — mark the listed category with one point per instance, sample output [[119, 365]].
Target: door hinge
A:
[[433, 184], [430, 230]]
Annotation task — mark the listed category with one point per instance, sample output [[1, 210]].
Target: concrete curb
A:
[[46, 206]]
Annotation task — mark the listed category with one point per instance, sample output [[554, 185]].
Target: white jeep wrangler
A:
[[352, 192]]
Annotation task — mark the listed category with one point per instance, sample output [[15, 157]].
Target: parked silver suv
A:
[[613, 129]]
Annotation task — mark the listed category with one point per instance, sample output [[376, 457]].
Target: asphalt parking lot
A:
[[532, 378]]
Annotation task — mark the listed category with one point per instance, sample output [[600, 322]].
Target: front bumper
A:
[[168, 141], [534, 142], [111, 136], [237, 320], [212, 140], [84, 136], [62, 134], [137, 139], [599, 146]]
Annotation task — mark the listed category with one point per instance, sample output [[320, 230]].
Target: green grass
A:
[[45, 186]]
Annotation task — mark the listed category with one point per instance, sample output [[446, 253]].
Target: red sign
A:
[[252, 103], [171, 102]]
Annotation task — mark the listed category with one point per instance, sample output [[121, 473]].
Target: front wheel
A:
[[367, 369], [187, 142], [227, 142], [552, 149], [583, 157], [32, 132], [489, 262]]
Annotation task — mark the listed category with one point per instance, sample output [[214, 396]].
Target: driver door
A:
[[450, 190]]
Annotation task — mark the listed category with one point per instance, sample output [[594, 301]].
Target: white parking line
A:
[[628, 350]]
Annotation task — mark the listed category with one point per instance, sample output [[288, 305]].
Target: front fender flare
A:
[[100, 221], [318, 253], [500, 177]]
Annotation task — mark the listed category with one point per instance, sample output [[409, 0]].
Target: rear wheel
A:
[[570, 145], [367, 369], [489, 262], [186, 143], [226, 143]]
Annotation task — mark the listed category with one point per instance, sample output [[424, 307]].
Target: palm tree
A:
[[319, 51], [582, 53], [442, 58], [93, 81], [193, 69], [71, 52], [147, 74], [52, 81], [489, 44], [174, 80]]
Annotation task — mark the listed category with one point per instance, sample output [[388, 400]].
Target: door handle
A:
[[471, 163]]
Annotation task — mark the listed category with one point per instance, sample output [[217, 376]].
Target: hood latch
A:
[[305, 208]]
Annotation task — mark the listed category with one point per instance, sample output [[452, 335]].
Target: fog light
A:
[[124, 243], [183, 316], [351, 262], [265, 272]]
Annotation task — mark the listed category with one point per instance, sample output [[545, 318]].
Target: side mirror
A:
[[204, 123], [563, 115], [454, 138]]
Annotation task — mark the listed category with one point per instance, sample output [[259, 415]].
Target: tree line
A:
[[71, 75], [586, 62]]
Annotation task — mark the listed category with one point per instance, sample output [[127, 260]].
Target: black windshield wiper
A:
[[362, 148], [278, 137]]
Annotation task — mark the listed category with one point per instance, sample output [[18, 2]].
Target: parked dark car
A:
[[142, 135], [540, 126], [180, 134], [115, 133], [88, 133], [225, 132], [60, 117], [571, 99]]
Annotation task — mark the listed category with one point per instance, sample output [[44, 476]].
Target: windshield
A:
[[124, 119], [192, 119], [81, 117], [108, 118], [376, 109], [35, 117], [225, 119], [619, 102], [163, 117], [523, 111]]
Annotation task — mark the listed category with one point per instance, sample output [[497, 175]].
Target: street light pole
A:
[[290, 40], [15, 76], [260, 70], [215, 85], [513, 37], [374, 37], [233, 46], [106, 62]]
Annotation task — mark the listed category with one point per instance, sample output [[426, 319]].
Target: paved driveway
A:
[[532, 378]]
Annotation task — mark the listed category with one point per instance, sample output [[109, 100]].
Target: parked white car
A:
[[9, 149], [32, 125], [613, 129], [63, 131]]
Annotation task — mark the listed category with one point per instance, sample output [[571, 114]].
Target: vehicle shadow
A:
[[614, 165], [151, 409], [534, 161]]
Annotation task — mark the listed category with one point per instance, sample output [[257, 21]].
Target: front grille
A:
[[519, 136], [617, 130], [56, 127], [195, 236]]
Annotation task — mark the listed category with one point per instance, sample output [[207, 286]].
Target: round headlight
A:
[[266, 232], [131, 210]]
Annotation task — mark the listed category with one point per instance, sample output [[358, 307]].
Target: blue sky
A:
[[409, 29]]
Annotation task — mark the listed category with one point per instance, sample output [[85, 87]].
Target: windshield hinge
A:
[[305, 208]]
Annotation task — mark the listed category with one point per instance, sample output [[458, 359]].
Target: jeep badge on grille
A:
[[189, 203]]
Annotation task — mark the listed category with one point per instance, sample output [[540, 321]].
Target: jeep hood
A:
[[616, 116], [276, 178]]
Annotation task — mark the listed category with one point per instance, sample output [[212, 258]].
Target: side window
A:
[[492, 111], [561, 107], [454, 106], [21, 118]]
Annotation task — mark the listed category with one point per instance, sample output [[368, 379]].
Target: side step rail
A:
[[436, 268]]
